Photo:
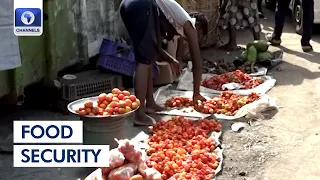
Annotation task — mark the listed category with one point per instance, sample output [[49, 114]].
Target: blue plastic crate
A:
[[119, 57]]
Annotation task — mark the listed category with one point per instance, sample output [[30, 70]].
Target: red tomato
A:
[[88, 104], [115, 91], [128, 102], [113, 104], [122, 104], [115, 99], [109, 97], [134, 105], [109, 110], [126, 93], [122, 110], [121, 96], [102, 97], [132, 98]]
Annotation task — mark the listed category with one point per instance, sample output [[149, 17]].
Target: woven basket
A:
[[211, 9]]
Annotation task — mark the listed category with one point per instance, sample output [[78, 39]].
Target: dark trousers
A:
[[260, 6], [308, 17]]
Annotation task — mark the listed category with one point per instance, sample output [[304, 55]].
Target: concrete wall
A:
[[73, 33]]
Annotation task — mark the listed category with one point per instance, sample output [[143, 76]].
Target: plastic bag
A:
[[231, 86], [124, 172], [116, 159], [130, 151], [151, 174]]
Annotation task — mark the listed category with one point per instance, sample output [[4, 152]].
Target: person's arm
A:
[[180, 49], [165, 56], [192, 38]]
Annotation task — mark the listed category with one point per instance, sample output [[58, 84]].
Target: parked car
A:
[[296, 8]]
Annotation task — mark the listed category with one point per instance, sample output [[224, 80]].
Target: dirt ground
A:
[[285, 145]]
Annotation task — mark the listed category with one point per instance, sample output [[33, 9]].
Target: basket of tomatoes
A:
[[115, 104]]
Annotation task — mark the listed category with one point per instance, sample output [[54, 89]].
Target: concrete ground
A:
[[285, 145]]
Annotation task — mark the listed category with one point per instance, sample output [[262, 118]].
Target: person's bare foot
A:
[[153, 107], [142, 119]]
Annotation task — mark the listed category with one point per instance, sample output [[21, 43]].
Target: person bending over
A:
[[183, 53], [148, 22]]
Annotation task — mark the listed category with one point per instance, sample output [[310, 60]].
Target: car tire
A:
[[297, 16], [271, 4]]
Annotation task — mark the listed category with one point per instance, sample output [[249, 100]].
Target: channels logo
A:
[[28, 22]]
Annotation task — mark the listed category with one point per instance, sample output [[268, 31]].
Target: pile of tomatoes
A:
[[116, 102], [227, 103], [181, 149], [178, 102], [246, 81]]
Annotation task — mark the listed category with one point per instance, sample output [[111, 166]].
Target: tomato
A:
[[109, 97], [134, 105], [106, 114], [126, 93], [95, 110], [114, 104], [132, 98], [122, 104], [82, 113], [136, 177], [115, 99], [102, 97], [128, 102], [121, 96], [115, 91], [88, 110], [103, 106], [128, 109], [88, 104], [109, 110], [122, 110], [138, 102]]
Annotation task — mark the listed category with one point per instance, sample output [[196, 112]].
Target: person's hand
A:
[[175, 67], [196, 98]]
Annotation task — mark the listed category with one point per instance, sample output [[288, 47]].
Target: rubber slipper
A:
[[272, 41], [307, 48]]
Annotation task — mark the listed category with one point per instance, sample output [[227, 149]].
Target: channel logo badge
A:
[[28, 22]]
